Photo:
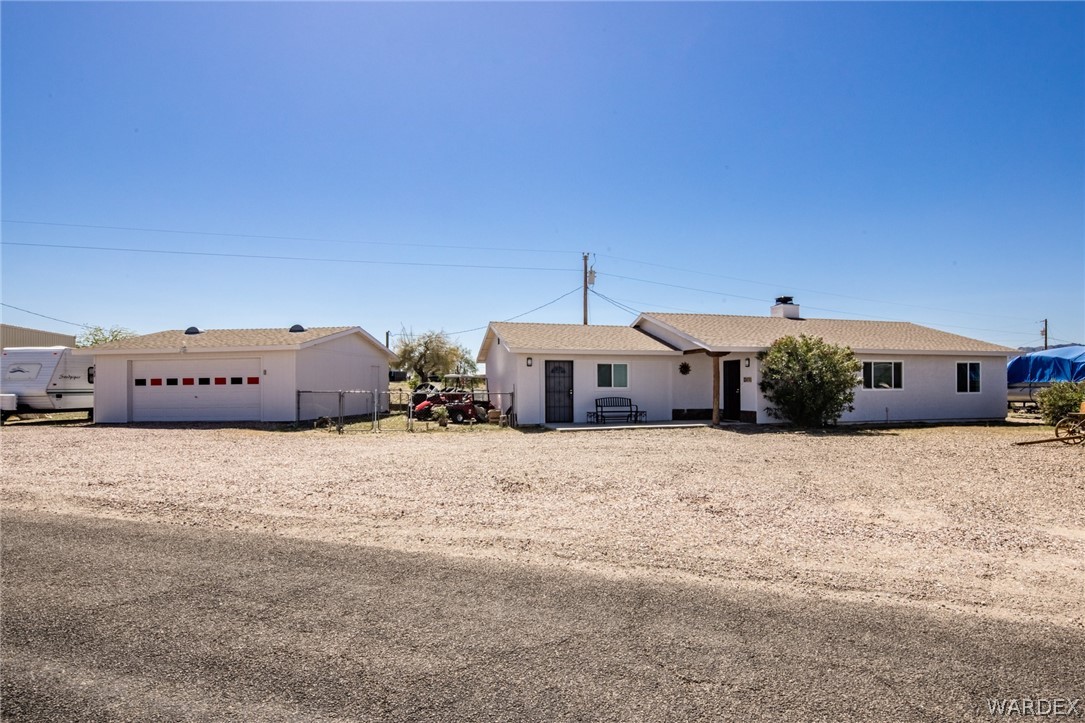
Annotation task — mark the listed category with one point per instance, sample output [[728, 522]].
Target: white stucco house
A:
[[236, 374], [668, 365]]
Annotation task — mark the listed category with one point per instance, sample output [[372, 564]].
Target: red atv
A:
[[459, 410]]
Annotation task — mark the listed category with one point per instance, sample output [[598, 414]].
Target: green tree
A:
[[433, 353], [1059, 400], [809, 382], [93, 335]]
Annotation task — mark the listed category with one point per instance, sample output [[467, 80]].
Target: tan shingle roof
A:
[[718, 332], [174, 339], [574, 338]]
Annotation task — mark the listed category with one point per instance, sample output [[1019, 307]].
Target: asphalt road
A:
[[107, 620]]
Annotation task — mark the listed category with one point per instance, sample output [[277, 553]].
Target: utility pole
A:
[[585, 289], [1045, 334]]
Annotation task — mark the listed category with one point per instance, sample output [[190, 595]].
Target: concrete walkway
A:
[[689, 424]]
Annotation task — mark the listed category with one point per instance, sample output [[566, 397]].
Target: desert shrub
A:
[[1060, 399], [808, 381]]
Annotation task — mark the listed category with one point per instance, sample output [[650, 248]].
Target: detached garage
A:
[[222, 375]]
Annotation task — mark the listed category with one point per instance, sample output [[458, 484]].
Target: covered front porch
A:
[[677, 424]]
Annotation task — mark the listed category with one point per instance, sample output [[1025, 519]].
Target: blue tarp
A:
[[1066, 364]]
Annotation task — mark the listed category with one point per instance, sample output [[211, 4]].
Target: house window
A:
[[968, 377], [612, 375], [883, 375]]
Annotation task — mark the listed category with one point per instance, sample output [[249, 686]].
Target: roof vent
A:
[[785, 308], [193, 330], [297, 329]]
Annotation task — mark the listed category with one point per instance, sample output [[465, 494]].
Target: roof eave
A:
[[933, 352], [593, 352], [693, 341]]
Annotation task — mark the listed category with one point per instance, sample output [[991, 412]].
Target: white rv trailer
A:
[[46, 379]]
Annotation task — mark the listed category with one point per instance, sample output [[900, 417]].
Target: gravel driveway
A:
[[951, 535], [943, 519]]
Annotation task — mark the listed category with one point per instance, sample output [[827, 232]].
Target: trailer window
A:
[[19, 371]]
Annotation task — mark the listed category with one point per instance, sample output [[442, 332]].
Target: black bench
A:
[[609, 409]]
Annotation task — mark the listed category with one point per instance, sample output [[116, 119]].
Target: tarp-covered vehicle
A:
[[1029, 373]]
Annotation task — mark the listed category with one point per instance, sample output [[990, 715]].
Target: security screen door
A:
[[559, 391]]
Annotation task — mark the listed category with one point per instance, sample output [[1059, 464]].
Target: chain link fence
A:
[[351, 411]]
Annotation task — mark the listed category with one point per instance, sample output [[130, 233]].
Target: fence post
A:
[[340, 427], [376, 405], [297, 408]]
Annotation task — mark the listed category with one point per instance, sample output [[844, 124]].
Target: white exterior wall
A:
[[113, 382], [501, 378], [649, 382], [278, 386], [508, 372], [349, 362], [929, 391], [693, 390], [752, 400], [341, 364], [111, 386]]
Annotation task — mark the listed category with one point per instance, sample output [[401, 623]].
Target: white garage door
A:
[[195, 390]]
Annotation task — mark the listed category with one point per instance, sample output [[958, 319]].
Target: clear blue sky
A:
[[920, 162]]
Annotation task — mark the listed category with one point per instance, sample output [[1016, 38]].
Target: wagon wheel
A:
[[1070, 431]]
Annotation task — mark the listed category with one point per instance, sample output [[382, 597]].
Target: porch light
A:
[[747, 361], [529, 361]]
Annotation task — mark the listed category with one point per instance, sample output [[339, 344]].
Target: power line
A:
[[51, 318], [679, 286], [656, 307], [950, 326], [457, 266], [268, 237], [513, 318], [834, 311], [285, 258], [809, 291], [616, 304]]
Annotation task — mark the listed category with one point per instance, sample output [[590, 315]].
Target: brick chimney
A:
[[785, 308]]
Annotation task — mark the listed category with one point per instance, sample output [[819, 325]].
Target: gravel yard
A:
[[954, 520]]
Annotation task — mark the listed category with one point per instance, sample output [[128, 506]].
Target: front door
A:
[[732, 390], [559, 391]]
